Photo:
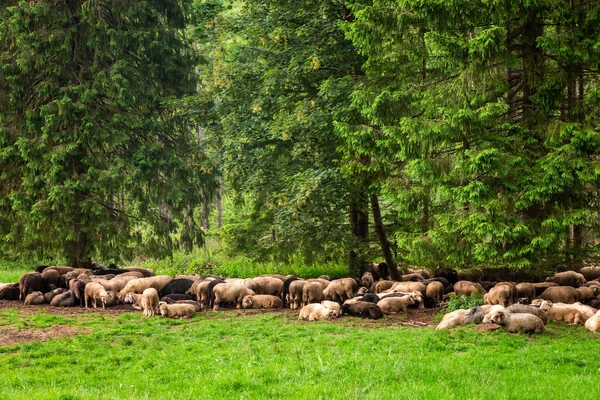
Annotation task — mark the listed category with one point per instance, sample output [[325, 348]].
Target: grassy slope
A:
[[223, 355]]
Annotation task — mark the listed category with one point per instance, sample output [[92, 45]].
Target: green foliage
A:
[[463, 302]]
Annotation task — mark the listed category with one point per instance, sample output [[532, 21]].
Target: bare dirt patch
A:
[[10, 336], [28, 310]]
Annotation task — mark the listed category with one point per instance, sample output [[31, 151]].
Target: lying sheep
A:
[[34, 298], [473, 315], [262, 301], [95, 292], [149, 302], [317, 312], [65, 299], [382, 286], [526, 309], [177, 310], [10, 292], [567, 278], [585, 293], [362, 291], [52, 277], [514, 323], [312, 292], [468, 288], [176, 286], [393, 305], [193, 303], [560, 294], [590, 273], [362, 309], [146, 272], [526, 290], [231, 293], [593, 323], [332, 305], [175, 297], [51, 294], [565, 313]]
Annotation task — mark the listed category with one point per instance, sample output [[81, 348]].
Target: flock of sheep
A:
[[567, 296]]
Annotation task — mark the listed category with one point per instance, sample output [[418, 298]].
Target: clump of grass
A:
[[463, 302]]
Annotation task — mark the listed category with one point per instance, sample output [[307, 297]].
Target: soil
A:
[[10, 336]]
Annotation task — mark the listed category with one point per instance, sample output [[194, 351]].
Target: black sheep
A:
[[286, 290], [362, 309], [173, 297], [10, 292], [176, 286], [31, 282]]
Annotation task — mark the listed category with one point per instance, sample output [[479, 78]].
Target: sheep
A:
[[587, 311], [64, 299], [332, 305], [525, 309], [412, 277], [34, 298], [146, 272], [10, 292], [31, 282], [585, 293], [228, 292], [201, 293], [367, 279], [500, 294], [362, 291], [295, 294], [560, 294], [423, 272], [593, 323], [564, 312], [178, 286], [52, 277], [193, 303], [410, 287], [393, 305], [285, 293], [567, 278], [134, 299], [540, 287], [95, 292], [210, 292], [51, 294], [514, 323], [277, 276], [317, 312], [473, 275], [175, 297], [468, 288], [141, 284], [526, 290], [473, 315], [77, 287], [149, 302], [590, 273], [362, 309], [268, 285], [382, 286], [262, 301], [434, 293], [312, 292], [340, 290], [324, 282], [177, 310]]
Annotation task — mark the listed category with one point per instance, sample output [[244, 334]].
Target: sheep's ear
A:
[[162, 302]]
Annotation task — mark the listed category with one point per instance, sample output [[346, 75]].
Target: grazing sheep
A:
[[362, 309], [177, 310], [64, 299], [77, 287], [468, 288], [340, 290], [473, 315], [434, 293], [231, 293], [149, 302], [296, 290], [34, 298], [332, 305], [312, 292], [176, 286], [593, 323], [317, 312], [382, 286], [146, 272], [141, 284], [525, 309], [560, 294], [500, 294], [526, 290], [393, 305], [10, 292], [567, 278], [31, 282], [262, 301], [514, 323], [95, 292], [268, 285], [367, 279]]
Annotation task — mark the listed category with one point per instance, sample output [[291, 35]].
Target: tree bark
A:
[[385, 244], [359, 224]]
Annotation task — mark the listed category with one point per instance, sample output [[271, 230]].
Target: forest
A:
[[422, 132]]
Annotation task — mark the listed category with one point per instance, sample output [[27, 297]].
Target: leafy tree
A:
[[95, 153]]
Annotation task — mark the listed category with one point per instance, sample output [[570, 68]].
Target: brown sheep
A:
[[31, 282], [77, 287], [312, 292], [393, 305], [593, 323], [412, 277], [472, 275], [149, 302], [367, 279], [410, 287], [317, 312], [230, 293], [64, 299], [362, 309], [52, 277], [362, 291], [541, 286], [295, 294], [590, 273], [585, 293], [146, 272], [515, 323], [268, 285], [500, 294], [34, 298], [141, 284], [382, 286], [51, 294], [134, 299], [324, 282], [262, 301], [95, 292], [434, 293], [177, 310], [526, 290], [570, 315], [586, 311], [423, 272], [567, 278], [468, 288], [340, 290], [560, 294]]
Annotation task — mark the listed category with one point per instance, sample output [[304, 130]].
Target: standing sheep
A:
[[312, 292], [560, 294], [567, 278], [31, 282], [149, 302], [95, 292], [526, 290], [268, 285], [500, 294], [434, 293], [295, 294], [340, 290], [468, 288], [231, 293]]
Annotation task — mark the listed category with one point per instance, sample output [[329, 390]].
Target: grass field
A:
[[272, 355]]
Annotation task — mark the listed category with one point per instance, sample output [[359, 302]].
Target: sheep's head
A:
[[595, 289], [333, 314], [129, 299], [247, 302], [498, 317], [163, 308], [362, 290]]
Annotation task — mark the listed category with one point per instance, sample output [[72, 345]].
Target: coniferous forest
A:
[[432, 133]]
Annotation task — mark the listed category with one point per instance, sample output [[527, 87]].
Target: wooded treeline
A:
[[427, 132]]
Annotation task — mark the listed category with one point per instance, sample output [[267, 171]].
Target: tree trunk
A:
[[359, 224], [385, 245]]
